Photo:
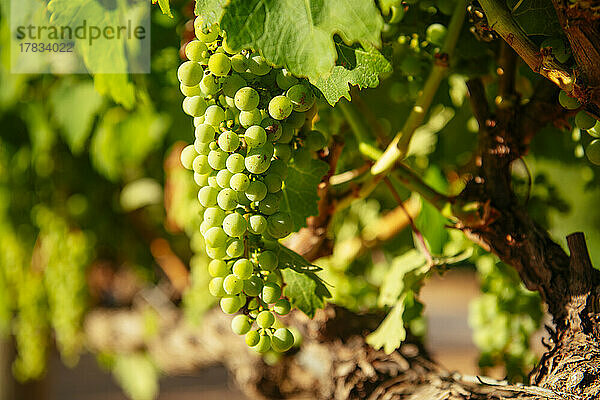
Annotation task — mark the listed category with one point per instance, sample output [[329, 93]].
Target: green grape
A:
[[296, 119], [188, 155], [201, 180], [243, 268], [234, 224], [283, 152], [268, 260], [275, 277], [269, 205], [584, 121], [232, 284], [568, 102], [196, 51], [279, 225], [282, 307], [271, 292], [253, 286], [436, 34], [241, 324], [280, 107], [209, 85], [273, 183], [258, 66], [315, 141], [194, 106], [239, 63], [287, 134], [206, 35], [218, 269], [216, 253], [285, 80], [215, 287], [252, 338], [201, 148], [217, 159], [204, 227], [215, 237], [282, 340], [231, 304], [257, 160], [232, 84], [219, 64], [239, 182], [214, 216], [214, 115], [246, 99], [265, 319], [593, 152], [264, 344], [595, 131], [235, 163], [223, 177], [190, 73], [229, 141], [242, 199], [235, 248], [249, 118], [278, 167], [227, 47], [212, 180], [301, 97], [201, 165], [227, 199], [256, 191], [302, 157], [255, 136], [208, 196], [257, 224], [273, 128], [190, 91], [199, 120]]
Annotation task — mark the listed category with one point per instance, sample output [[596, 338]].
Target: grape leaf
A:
[[536, 17], [300, 192], [74, 107], [364, 74], [116, 86], [165, 7], [137, 375], [430, 222], [391, 333], [210, 10], [298, 34], [305, 290], [290, 259], [400, 277]]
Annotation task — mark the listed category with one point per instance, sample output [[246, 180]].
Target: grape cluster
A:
[[247, 118], [586, 122]]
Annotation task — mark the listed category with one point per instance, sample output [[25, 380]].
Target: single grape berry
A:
[[239, 182], [190, 73], [264, 344], [273, 183], [196, 51], [257, 160], [593, 152], [265, 319], [235, 163], [259, 66], [234, 225], [218, 268], [283, 152], [252, 338], [232, 84], [257, 224], [279, 225], [205, 133], [215, 237], [235, 248], [231, 304], [282, 307], [239, 63], [269, 205], [209, 85], [268, 260], [208, 196], [215, 287], [217, 159], [282, 340], [214, 115], [301, 97], [568, 102], [227, 199], [241, 324], [584, 121], [285, 80], [205, 34], [255, 136], [194, 106], [256, 191], [243, 268], [219, 64], [232, 284], [216, 253], [189, 91], [436, 34], [253, 286], [188, 154], [271, 292], [246, 99], [280, 107], [228, 141], [214, 216], [315, 140], [249, 118]]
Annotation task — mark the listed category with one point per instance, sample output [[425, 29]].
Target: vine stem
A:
[[397, 149]]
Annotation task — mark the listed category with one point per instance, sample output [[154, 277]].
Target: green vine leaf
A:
[[298, 34], [300, 197], [359, 68], [305, 290], [210, 10], [536, 17], [165, 7]]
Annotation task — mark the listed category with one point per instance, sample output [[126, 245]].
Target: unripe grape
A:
[[188, 155], [246, 99], [568, 102], [201, 180], [215, 287], [275, 277], [584, 121], [190, 91], [257, 160], [315, 140], [280, 107], [279, 225], [283, 152], [223, 177], [190, 73], [253, 286], [243, 268], [215, 237], [296, 119], [209, 85], [205, 133], [219, 64], [218, 268], [268, 260], [232, 284], [232, 84], [206, 35], [196, 51], [273, 183], [285, 80], [595, 130], [229, 141], [201, 165], [282, 307], [257, 224], [436, 34], [208, 196], [217, 159], [227, 199], [258, 66], [272, 128], [235, 163], [235, 248], [252, 338], [255, 136], [271, 292], [239, 182], [265, 319], [214, 216], [269, 205], [282, 340], [216, 253], [198, 120], [234, 225], [301, 97], [593, 152], [194, 106], [214, 115], [201, 148], [256, 191], [212, 180], [239, 63], [241, 324], [249, 118], [230, 304]]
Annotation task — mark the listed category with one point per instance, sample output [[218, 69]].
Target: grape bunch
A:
[[586, 122], [248, 118]]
